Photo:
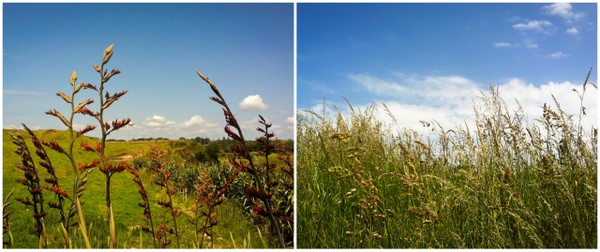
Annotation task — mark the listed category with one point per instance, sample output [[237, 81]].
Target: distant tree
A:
[[202, 140], [212, 152]]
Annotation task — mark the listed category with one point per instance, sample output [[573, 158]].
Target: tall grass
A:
[[504, 184]]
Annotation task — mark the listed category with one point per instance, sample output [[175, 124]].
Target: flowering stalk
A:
[[80, 174], [207, 194], [32, 182], [280, 186], [149, 228], [242, 151], [106, 100], [53, 186], [163, 180]]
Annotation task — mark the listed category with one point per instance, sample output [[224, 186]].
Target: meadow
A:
[[502, 183], [236, 227]]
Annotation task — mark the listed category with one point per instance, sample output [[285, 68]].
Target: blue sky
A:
[[246, 49], [428, 61]]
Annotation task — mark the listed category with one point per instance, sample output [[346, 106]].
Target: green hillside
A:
[[234, 225]]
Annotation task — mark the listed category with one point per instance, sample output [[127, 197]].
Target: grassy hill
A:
[[234, 225]]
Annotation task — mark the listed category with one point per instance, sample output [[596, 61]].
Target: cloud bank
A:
[[450, 99]]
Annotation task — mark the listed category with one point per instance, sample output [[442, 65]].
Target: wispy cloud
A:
[[157, 121], [530, 44], [316, 86], [379, 86], [21, 92], [502, 44], [160, 126], [533, 25], [432, 89], [563, 10], [12, 126], [253, 103], [557, 55], [572, 30]]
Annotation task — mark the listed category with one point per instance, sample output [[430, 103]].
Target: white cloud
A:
[[502, 44], [290, 120], [530, 44], [572, 30], [532, 97], [198, 121], [194, 121], [414, 89], [253, 103], [157, 121], [159, 126], [536, 25], [557, 55], [449, 100], [563, 10], [21, 92], [378, 86]]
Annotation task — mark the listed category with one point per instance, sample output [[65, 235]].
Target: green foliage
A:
[[502, 184]]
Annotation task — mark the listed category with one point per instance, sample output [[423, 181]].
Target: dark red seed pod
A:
[[22, 181], [40, 215], [37, 190], [25, 201]]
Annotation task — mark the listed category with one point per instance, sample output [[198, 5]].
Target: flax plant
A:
[[242, 152], [54, 186], [206, 195], [32, 181], [163, 179], [105, 101], [149, 227], [80, 172], [280, 185]]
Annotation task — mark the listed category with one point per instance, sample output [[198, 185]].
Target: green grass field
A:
[[502, 184], [234, 229]]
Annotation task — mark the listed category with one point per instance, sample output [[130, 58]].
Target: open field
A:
[[235, 226], [503, 183]]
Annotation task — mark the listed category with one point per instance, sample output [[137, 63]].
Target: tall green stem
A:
[[111, 220], [76, 201]]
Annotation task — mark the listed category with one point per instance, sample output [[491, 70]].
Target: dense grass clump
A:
[[504, 183]]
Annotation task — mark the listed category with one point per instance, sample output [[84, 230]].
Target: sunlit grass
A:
[[505, 183]]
